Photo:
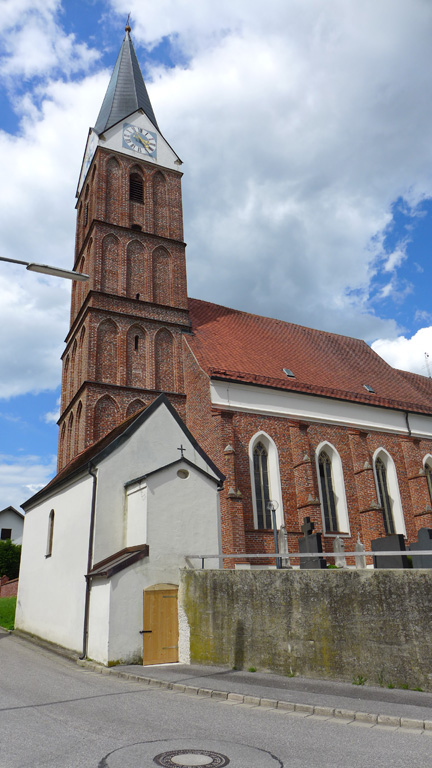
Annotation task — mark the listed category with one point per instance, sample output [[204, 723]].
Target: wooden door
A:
[[160, 637]]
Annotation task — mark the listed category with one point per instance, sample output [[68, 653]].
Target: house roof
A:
[[109, 442], [126, 91], [240, 347], [12, 509]]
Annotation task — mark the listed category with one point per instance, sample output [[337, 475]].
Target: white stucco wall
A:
[[99, 618], [9, 519], [51, 590], [182, 519], [153, 445]]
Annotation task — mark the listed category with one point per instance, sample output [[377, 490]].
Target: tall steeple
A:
[[126, 91], [124, 343]]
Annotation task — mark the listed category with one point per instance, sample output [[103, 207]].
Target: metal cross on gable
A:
[[182, 450]]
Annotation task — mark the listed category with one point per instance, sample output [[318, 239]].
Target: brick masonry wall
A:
[[8, 588], [296, 444], [329, 624]]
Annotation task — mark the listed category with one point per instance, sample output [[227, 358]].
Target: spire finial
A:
[[127, 27]]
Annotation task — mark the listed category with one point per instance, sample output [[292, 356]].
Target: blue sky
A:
[[305, 134]]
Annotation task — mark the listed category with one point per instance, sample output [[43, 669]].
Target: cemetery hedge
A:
[[10, 556]]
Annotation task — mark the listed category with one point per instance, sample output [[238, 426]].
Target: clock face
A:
[[139, 140]]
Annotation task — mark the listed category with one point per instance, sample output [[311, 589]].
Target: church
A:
[[315, 422]]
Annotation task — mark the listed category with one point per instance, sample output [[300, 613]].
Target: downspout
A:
[[407, 423], [93, 473]]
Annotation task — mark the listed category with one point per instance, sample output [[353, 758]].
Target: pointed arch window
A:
[[136, 188], [428, 472], [331, 486], [262, 486], [327, 492], [385, 499]]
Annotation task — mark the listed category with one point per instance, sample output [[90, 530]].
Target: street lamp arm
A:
[[45, 269]]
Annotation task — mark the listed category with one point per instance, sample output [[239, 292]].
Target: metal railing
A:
[[297, 555]]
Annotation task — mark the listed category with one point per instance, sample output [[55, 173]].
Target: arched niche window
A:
[[50, 535], [331, 490], [388, 492], [428, 473], [136, 188], [265, 480]]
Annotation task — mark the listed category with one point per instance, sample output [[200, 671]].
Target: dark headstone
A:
[[311, 544], [393, 543], [424, 541]]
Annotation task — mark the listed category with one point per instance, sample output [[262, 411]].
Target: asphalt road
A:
[[55, 713]]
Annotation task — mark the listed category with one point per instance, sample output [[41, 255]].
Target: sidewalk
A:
[[381, 706], [306, 696]]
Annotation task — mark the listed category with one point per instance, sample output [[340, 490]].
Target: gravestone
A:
[[360, 557], [339, 550], [311, 544], [283, 547], [424, 541], [393, 543]]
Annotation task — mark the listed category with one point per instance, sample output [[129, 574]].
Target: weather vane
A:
[[127, 27]]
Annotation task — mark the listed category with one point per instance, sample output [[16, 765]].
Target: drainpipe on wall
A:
[[407, 423], [93, 473]]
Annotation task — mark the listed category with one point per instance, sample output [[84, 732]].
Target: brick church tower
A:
[[124, 342]]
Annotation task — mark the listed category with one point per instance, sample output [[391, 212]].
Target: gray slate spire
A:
[[126, 91]]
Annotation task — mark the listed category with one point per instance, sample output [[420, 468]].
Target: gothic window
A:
[[105, 416], [262, 489], [50, 535], [136, 357], [327, 492], [428, 471], [106, 352], [136, 269], [134, 407], [69, 438], [77, 428], [385, 499], [112, 190], [164, 362], [136, 188], [110, 264], [161, 276], [331, 486], [160, 204], [265, 480]]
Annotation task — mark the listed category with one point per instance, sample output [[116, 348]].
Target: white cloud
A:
[[409, 354], [21, 477], [52, 417]]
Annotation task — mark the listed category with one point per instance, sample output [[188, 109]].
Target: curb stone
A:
[[287, 706]]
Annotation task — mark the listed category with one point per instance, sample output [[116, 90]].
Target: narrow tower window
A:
[[262, 491], [136, 188], [136, 342]]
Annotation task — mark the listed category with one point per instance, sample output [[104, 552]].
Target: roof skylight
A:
[[368, 388], [288, 373]]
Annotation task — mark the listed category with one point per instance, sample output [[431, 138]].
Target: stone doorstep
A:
[[307, 710]]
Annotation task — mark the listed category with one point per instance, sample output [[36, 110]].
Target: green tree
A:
[[10, 556]]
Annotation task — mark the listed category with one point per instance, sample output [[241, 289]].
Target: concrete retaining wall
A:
[[8, 588], [331, 624]]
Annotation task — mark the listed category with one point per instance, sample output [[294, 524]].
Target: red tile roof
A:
[[241, 347]]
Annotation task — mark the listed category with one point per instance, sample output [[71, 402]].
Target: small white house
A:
[[11, 525], [105, 539]]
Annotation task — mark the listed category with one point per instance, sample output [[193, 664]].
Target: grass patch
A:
[[7, 612]]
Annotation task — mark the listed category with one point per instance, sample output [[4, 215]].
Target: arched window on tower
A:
[[136, 188]]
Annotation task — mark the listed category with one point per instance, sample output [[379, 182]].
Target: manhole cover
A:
[[191, 758]]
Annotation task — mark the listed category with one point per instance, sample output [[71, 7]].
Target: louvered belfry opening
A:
[[136, 188]]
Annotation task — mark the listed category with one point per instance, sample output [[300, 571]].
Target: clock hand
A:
[[145, 142]]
